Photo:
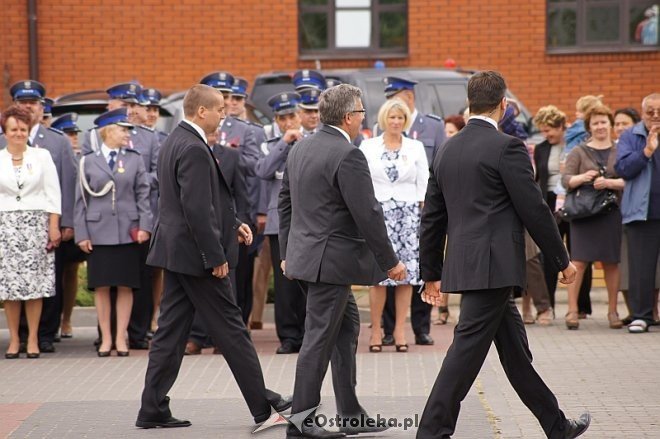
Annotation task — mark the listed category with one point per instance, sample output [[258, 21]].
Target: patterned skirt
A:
[[27, 270], [402, 223]]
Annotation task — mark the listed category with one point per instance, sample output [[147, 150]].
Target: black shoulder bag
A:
[[585, 201]]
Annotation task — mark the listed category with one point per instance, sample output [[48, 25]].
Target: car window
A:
[[446, 99]]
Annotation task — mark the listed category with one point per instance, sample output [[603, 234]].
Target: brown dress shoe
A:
[[192, 348]]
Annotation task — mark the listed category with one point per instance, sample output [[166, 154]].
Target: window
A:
[[352, 28], [577, 26]]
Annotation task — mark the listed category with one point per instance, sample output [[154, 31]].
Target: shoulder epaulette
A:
[[274, 139], [254, 124], [89, 152], [151, 130], [133, 150], [436, 117], [55, 130]]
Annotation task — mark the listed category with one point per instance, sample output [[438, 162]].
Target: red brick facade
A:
[[170, 44]]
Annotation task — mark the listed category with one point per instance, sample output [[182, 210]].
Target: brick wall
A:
[[170, 44]]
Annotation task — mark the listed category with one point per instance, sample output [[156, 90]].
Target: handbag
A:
[[586, 201]]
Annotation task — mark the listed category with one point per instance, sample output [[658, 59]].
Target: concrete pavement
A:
[[73, 393]]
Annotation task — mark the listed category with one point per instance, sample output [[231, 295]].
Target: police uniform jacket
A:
[[271, 168], [244, 136], [99, 218], [146, 142], [59, 147]]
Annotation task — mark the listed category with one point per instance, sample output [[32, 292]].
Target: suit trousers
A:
[[212, 299], [420, 313], [643, 250], [289, 300], [198, 333], [243, 284], [332, 328], [487, 316]]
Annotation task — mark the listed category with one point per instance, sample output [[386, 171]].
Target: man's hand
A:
[[244, 234], [67, 233], [143, 236], [261, 223], [221, 270], [568, 274], [652, 141], [291, 136], [398, 272], [283, 267], [432, 293], [85, 246]]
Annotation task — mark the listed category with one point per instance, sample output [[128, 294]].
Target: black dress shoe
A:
[[47, 347], [138, 344], [365, 424], [287, 348], [170, 422], [57, 339], [388, 340], [283, 404], [575, 428], [314, 432], [424, 340]]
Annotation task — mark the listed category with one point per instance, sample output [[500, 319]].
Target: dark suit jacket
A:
[[229, 159], [196, 228], [541, 157], [331, 225], [481, 195]]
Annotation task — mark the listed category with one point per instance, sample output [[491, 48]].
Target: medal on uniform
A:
[[121, 169], [130, 144], [414, 136], [29, 168], [223, 136]]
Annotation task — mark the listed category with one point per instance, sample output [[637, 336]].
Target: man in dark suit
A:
[[195, 242], [481, 197], [332, 235]]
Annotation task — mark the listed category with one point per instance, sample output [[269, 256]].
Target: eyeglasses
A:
[[652, 112], [363, 111]]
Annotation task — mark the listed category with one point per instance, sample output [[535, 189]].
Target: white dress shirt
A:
[[197, 128], [412, 166], [343, 133], [38, 187]]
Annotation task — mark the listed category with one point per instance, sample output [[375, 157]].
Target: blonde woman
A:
[[400, 172]]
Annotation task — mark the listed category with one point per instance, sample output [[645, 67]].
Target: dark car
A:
[[89, 104], [439, 91]]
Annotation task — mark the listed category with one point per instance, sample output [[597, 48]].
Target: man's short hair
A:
[[485, 91], [393, 104], [199, 95], [651, 97], [336, 102]]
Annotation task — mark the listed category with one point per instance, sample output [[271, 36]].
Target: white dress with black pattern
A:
[[27, 270]]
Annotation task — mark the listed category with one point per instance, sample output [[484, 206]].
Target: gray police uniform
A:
[[108, 217]]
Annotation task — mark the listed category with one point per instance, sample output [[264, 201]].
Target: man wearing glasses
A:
[[638, 163], [332, 235]]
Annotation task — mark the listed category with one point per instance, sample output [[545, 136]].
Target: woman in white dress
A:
[[400, 173]]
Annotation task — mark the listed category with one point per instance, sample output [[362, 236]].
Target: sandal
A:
[[376, 348], [615, 321], [443, 316], [402, 347], [572, 321], [545, 318], [528, 319]]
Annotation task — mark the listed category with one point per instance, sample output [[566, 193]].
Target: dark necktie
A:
[[111, 162]]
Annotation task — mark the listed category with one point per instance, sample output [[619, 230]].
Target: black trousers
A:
[[643, 247], [332, 328], [550, 272], [488, 316], [214, 301], [290, 300], [143, 302], [243, 284], [198, 333], [420, 313]]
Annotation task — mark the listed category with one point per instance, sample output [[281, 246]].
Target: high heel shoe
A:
[[33, 355], [376, 348], [614, 320], [402, 347], [443, 315], [103, 353], [572, 321], [123, 353], [11, 355]]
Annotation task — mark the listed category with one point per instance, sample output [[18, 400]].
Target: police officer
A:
[[30, 94], [289, 296], [145, 141], [72, 256], [48, 112], [151, 99], [112, 220], [430, 130]]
